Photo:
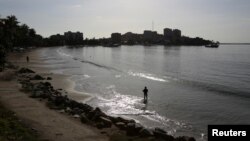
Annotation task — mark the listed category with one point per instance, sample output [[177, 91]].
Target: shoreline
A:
[[62, 81], [59, 81]]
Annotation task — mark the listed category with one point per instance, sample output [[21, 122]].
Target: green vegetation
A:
[[14, 35], [11, 129]]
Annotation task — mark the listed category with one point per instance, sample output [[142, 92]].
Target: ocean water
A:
[[189, 87]]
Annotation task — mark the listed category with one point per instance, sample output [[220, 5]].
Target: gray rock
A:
[[145, 132], [184, 138], [107, 123], [95, 115], [68, 110], [161, 135], [76, 116], [61, 111], [160, 130], [49, 78], [131, 130], [118, 119], [25, 70], [77, 111], [37, 94], [84, 119], [37, 77], [100, 125], [121, 125], [138, 127]]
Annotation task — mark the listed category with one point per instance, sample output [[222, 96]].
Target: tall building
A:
[[176, 36], [116, 38], [177, 33], [168, 34]]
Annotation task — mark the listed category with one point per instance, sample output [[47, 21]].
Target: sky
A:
[[218, 20]]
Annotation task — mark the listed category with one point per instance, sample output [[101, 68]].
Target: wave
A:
[[87, 61], [137, 74], [147, 76], [98, 65], [59, 51]]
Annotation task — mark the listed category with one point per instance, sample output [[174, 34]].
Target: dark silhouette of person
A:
[[27, 59], [145, 92]]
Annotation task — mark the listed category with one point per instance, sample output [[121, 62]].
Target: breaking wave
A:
[[147, 76]]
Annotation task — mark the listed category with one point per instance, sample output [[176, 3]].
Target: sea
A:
[[190, 87]]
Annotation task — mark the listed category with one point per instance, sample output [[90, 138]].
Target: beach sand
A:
[[50, 125], [59, 81]]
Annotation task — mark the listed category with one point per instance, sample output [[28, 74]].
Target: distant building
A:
[[131, 38], [168, 34], [150, 36], [177, 33], [73, 38], [176, 36], [116, 38]]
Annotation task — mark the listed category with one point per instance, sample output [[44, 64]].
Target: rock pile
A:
[[87, 114]]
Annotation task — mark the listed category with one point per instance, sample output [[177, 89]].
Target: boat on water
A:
[[212, 45]]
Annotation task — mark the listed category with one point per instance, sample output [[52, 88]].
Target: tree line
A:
[[14, 34]]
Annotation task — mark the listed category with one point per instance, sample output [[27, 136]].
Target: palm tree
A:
[[22, 35], [10, 27]]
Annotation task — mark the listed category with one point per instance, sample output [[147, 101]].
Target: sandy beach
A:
[[59, 81], [49, 124]]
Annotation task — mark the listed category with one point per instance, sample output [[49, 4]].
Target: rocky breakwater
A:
[[57, 99]]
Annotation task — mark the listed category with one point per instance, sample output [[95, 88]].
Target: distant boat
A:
[[212, 45]]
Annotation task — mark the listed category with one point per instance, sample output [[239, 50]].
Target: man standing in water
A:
[[145, 91], [27, 59]]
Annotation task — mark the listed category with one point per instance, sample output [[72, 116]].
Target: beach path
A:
[[50, 124]]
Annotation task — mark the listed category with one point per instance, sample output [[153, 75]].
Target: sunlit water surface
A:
[[189, 87]]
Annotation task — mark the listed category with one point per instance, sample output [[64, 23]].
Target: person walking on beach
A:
[[27, 59], [145, 92]]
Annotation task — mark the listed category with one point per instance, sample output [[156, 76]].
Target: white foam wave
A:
[[169, 77], [147, 76], [86, 76], [59, 51]]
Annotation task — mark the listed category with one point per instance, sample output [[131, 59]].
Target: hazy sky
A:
[[222, 20]]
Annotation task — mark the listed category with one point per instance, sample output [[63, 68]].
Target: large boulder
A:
[[145, 132], [77, 111], [95, 115], [26, 85], [184, 138], [25, 70], [157, 129], [161, 135], [84, 119], [37, 77], [138, 127], [49, 78], [105, 122], [37, 94], [130, 130], [119, 119], [121, 125]]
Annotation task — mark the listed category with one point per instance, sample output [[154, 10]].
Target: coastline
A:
[[63, 82], [59, 81]]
